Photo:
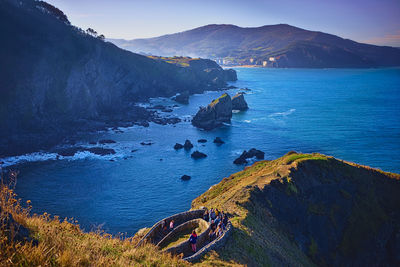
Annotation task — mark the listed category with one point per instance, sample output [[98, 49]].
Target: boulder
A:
[[198, 155], [239, 103], [215, 114], [182, 98], [218, 140], [178, 146], [185, 177], [202, 140], [249, 154], [188, 145]]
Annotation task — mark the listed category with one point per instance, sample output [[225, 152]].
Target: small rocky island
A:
[[239, 103], [219, 111], [216, 113]]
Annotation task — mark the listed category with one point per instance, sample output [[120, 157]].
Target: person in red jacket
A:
[[193, 240]]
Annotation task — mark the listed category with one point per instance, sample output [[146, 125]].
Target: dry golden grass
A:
[[56, 242]]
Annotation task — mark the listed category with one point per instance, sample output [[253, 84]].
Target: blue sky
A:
[[371, 21]]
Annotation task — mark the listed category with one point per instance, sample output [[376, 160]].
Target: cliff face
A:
[[56, 79], [215, 114], [306, 209]]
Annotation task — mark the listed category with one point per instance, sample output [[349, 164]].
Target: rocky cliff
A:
[[57, 80], [309, 209], [215, 114]]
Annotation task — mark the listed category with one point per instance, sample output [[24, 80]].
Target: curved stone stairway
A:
[[184, 221]]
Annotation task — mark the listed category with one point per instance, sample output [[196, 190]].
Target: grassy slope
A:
[[62, 243], [258, 239]]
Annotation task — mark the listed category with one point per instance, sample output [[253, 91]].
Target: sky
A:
[[369, 21]]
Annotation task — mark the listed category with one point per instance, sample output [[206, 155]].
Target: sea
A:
[[351, 114]]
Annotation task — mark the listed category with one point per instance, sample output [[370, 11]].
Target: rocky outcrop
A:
[[178, 146], [182, 98], [239, 103], [258, 154], [198, 155], [185, 177], [202, 140], [218, 141], [188, 145], [219, 111]]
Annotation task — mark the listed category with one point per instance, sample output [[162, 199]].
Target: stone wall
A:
[[217, 243], [178, 218], [192, 224], [185, 247]]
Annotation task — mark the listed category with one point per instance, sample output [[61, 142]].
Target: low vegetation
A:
[[55, 242], [179, 61]]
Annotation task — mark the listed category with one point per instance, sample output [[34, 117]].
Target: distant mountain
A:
[[279, 45], [56, 79]]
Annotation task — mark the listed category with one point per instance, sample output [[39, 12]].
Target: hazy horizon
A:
[[370, 21]]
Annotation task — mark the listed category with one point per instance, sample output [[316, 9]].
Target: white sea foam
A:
[[282, 114], [32, 157]]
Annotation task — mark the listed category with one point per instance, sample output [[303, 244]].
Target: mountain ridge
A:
[[279, 45]]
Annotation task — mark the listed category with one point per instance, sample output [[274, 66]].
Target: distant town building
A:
[[272, 59], [265, 63], [251, 60]]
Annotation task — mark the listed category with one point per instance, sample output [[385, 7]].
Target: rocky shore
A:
[[85, 85]]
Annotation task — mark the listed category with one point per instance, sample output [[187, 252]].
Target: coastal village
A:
[[269, 62]]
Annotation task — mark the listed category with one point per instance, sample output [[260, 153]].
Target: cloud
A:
[[388, 39]]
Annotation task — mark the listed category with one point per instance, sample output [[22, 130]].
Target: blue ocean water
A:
[[352, 114]]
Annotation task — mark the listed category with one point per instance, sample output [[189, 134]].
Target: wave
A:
[[282, 114], [120, 152], [32, 157]]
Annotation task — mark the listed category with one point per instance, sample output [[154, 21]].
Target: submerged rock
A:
[[178, 146], [215, 114], [218, 140], [101, 151], [146, 143], [188, 145], [239, 103], [198, 155], [185, 177], [106, 141], [249, 154], [202, 140]]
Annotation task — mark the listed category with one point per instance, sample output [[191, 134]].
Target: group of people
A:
[[218, 221], [165, 228]]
